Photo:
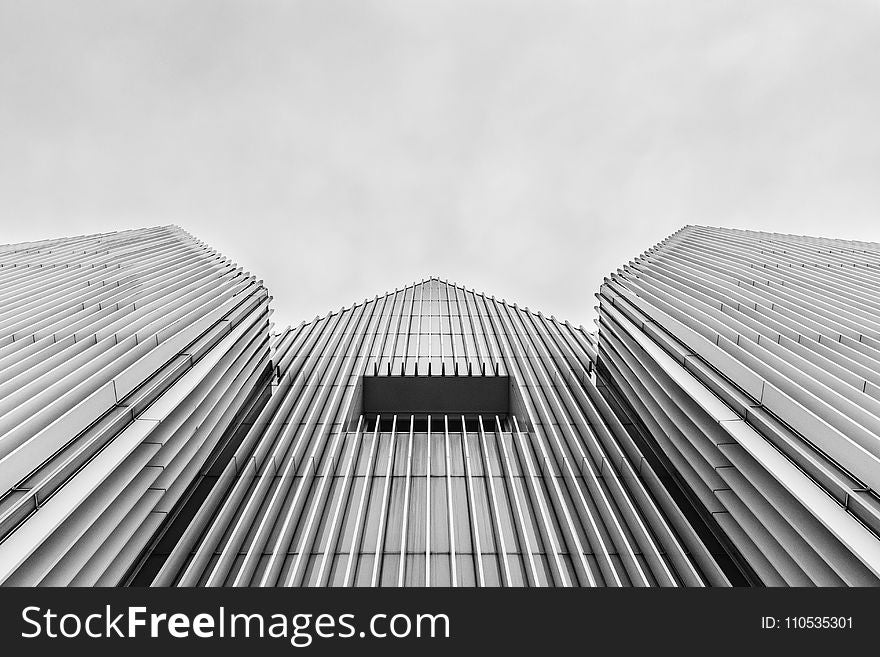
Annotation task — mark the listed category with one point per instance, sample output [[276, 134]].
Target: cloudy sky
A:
[[341, 149]]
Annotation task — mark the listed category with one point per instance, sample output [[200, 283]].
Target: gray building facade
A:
[[720, 428]]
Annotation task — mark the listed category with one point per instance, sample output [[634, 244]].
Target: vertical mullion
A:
[[507, 468], [475, 530], [409, 332], [264, 529], [540, 377], [428, 513], [308, 534], [519, 363], [402, 565], [539, 501], [419, 327], [494, 512], [461, 326], [386, 502], [356, 538], [449, 502], [342, 501], [385, 339]]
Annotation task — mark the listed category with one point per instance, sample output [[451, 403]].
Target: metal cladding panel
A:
[[544, 488], [751, 360], [123, 357]]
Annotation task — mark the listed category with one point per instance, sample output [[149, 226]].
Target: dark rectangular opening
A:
[[436, 395]]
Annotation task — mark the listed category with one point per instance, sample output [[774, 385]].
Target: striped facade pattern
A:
[[720, 428], [554, 494], [753, 362], [124, 358]]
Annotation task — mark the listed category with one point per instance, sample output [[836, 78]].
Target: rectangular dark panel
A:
[[436, 394]]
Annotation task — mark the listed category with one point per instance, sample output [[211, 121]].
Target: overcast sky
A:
[[526, 149]]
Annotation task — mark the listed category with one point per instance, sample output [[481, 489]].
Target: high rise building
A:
[[720, 428], [124, 360], [751, 362], [434, 436]]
